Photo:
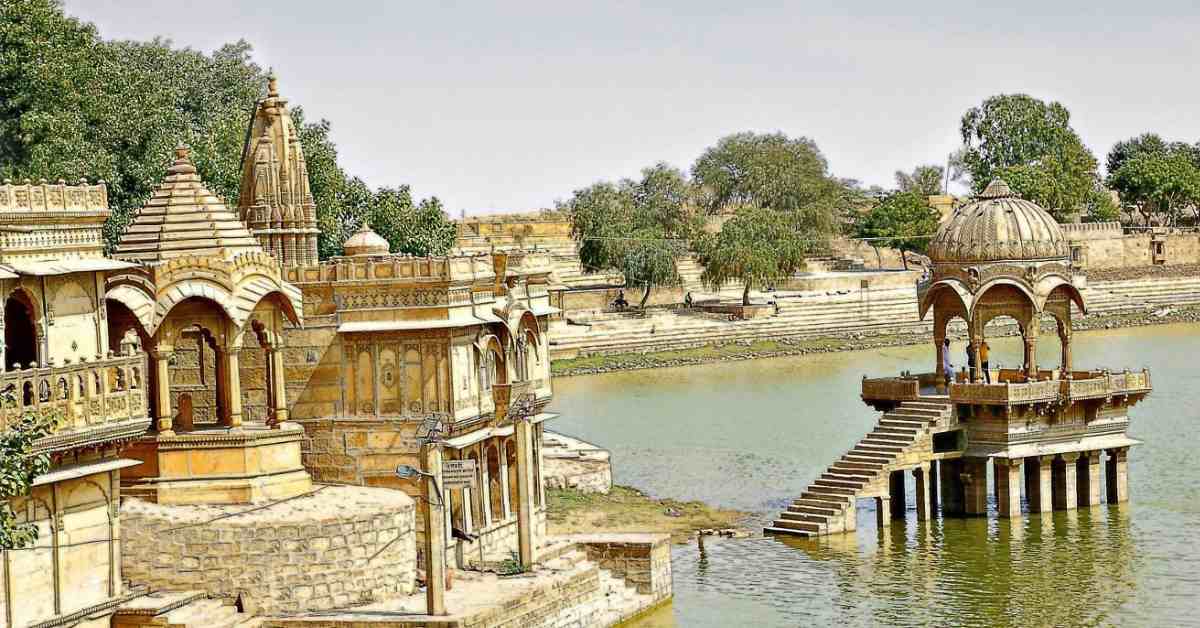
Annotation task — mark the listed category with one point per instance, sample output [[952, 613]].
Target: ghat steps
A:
[[184, 609], [891, 311], [903, 438]]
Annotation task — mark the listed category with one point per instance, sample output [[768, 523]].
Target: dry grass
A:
[[626, 509]]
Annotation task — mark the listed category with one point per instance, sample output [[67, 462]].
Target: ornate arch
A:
[[934, 291], [184, 290], [981, 295]]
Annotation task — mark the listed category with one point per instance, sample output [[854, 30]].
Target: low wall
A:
[[601, 298], [644, 560], [338, 546]]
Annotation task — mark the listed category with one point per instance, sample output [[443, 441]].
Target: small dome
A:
[[366, 242], [999, 226]]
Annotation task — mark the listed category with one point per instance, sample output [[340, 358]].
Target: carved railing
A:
[[93, 401], [1082, 385]]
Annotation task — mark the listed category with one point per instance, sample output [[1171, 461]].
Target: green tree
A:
[[19, 465], [759, 247], [1031, 145], [772, 171], [422, 229], [1156, 179], [637, 228], [902, 220], [926, 180]]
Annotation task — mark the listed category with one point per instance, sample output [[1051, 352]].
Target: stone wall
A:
[[644, 560], [334, 547], [1103, 246]]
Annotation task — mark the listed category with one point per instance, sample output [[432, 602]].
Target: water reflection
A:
[[752, 434]]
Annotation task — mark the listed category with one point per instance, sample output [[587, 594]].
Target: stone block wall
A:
[[335, 547], [644, 560], [581, 474]]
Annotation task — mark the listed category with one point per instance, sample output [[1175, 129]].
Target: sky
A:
[[510, 106]]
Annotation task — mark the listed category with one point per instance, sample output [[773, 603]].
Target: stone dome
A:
[[999, 226], [366, 242]]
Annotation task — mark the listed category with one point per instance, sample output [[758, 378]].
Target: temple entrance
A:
[[20, 335]]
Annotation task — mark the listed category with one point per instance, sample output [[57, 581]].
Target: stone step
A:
[[806, 508], [848, 475], [786, 531], [900, 430], [891, 437], [804, 526], [789, 515], [893, 421], [879, 446], [819, 487], [853, 465], [837, 482], [838, 500]]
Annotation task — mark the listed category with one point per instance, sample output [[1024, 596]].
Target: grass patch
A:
[[627, 509]]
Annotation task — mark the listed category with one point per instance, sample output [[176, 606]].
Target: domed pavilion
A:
[[1001, 255], [1052, 432]]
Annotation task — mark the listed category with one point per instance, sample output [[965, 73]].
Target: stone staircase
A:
[[901, 439], [181, 609]]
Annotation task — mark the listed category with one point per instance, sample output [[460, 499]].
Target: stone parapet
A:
[[337, 546], [643, 560]]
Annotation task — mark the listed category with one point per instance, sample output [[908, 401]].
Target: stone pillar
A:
[[505, 492], [896, 494], [435, 532], [974, 479], [1008, 486], [1117, 475], [977, 370], [233, 388], [523, 433], [1063, 475], [1037, 483], [162, 383], [939, 343], [923, 480], [279, 387], [1031, 359], [1064, 336], [953, 494], [883, 509], [1087, 478], [933, 487], [219, 378]]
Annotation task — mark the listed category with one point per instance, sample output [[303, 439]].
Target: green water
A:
[[751, 435]]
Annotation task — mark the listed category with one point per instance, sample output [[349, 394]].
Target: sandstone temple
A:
[[249, 435], [1054, 436]]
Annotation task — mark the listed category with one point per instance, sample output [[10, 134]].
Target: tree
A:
[[19, 465], [422, 230], [638, 228], [1031, 145], [1161, 182], [759, 246], [772, 171], [926, 180], [904, 219]]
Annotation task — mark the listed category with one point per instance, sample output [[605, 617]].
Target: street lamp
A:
[[409, 472]]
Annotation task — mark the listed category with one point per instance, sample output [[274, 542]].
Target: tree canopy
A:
[[1158, 180], [19, 465], [1031, 145], [759, 247], [903, 220], [926, 180], [637, 228], [74, 105]]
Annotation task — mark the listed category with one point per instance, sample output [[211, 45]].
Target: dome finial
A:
[[997, 189], [183, 161]]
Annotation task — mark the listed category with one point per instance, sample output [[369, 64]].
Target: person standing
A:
[[983, 359], [947, 366], [972, 374]]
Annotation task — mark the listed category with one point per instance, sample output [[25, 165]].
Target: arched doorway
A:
[[20, 335]]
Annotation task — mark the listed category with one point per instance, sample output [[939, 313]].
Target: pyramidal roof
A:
[[184, 218]]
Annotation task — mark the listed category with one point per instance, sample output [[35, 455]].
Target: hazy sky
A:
[[512, 105]]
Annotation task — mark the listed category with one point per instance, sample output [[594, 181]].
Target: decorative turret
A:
[[365, 242], [275, 201]]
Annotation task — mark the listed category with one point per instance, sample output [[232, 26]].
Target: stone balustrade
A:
[[891, 388], [95, 401], [392, 268], [1080, 386]]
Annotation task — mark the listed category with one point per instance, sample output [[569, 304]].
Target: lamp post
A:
[[435, 514]]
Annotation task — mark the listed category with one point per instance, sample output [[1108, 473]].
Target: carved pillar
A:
[[974, 479], [435, 531], [1031, 334], [1008, 486], [222, 391], [1038, 484], [1064, 336], [1063, 474], [976, 371], [1087, 478], [939, 343], [162, 382], [523, 433], [505, 491], [279, 388], [1117, 474], [233, 387], [923, 483]]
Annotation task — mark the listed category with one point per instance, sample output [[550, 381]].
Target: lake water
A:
[[751, 435]]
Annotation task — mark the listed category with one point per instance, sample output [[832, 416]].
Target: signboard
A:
[[458, 474]]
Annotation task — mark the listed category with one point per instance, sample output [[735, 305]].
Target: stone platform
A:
[[575, 464], [333, 547]]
